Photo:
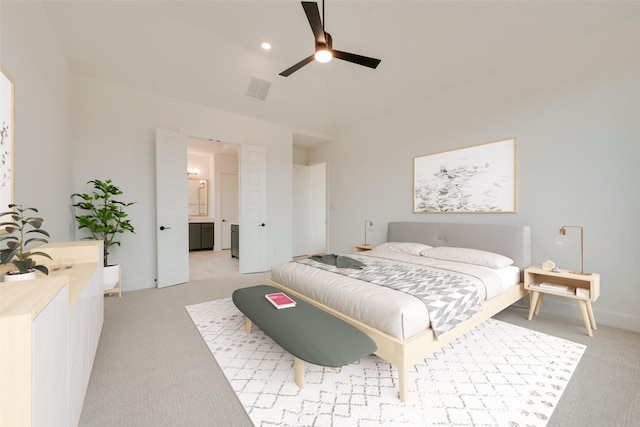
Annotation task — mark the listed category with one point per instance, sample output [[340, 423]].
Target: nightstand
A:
[[582, 287], [362, 248]]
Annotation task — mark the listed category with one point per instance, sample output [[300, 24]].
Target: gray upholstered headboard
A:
[[513, 241]]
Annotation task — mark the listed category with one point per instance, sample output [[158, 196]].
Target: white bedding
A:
[[396, 313]]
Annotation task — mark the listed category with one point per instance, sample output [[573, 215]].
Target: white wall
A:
[[201, 162], [113, 137], [114, 134], [575, 113], [574, 110], [300, 155], [43, 161]]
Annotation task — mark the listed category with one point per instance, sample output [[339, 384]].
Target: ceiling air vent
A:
[[258, 88]]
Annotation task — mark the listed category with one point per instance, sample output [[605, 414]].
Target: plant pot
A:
[[111, 276], [13, 276]]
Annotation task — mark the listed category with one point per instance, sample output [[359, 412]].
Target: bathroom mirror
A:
[[198, 197]]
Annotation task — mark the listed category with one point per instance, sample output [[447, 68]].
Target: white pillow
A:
[[469, 256], [410, 248]]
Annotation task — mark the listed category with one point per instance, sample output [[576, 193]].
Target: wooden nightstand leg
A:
[[585, 316], [248, 325], [539, 304], [533, 303], [591, 317], [298, 366]]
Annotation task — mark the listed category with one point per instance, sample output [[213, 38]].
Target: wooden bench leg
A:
[[298, 366], [248, 324]]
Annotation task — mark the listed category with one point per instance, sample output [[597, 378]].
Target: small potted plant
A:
[[105, 218], [22, 231]]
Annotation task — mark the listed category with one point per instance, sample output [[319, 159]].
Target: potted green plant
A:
[[105, 218], [22, 231]]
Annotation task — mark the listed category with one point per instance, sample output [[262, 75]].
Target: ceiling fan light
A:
[[323, 55]]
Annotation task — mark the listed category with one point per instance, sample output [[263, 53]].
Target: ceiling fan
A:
[[324, 44]]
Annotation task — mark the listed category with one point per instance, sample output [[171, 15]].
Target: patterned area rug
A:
[[497, 374]]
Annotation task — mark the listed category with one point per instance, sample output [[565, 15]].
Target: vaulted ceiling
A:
[[206, 52]]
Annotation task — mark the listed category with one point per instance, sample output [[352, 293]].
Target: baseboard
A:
[[569, 308]]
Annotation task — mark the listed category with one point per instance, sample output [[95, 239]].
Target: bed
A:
[[401, 324]]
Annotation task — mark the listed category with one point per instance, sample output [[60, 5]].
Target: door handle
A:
[[162, 228]]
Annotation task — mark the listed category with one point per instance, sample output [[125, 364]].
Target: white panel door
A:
[[228, 205], [300, 216], [172, 217], [253, 209]]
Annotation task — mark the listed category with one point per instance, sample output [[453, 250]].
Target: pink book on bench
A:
[[280, 300]]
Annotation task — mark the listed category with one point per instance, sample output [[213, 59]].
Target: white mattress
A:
[[391, 311]]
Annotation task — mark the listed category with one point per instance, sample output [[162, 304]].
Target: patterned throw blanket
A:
[[449, 299]]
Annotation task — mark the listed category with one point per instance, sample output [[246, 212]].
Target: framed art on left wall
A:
[[7, 131]]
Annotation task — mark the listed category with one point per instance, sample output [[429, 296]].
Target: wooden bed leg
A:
[[248, 325], [403, 383]]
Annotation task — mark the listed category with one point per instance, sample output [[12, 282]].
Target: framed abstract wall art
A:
[[6, 139], [477, 179]]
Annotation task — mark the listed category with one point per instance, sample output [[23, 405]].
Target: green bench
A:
[[307, 332]]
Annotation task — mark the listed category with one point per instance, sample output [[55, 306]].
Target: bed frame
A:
[[509, 240]]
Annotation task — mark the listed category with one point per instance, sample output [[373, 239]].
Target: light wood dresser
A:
[[49, 333]]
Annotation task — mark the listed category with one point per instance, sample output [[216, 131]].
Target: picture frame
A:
[[476, 179], [7, 138]]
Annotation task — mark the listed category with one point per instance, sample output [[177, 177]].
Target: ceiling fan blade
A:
[[294, 68], [313, 15], [356, 59]]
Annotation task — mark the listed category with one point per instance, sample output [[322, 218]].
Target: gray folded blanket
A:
[[339, 261]]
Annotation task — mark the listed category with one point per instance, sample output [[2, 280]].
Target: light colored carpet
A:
[[153, 369], [497, 374]]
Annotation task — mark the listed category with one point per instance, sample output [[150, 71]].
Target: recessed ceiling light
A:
[[266, 46]]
